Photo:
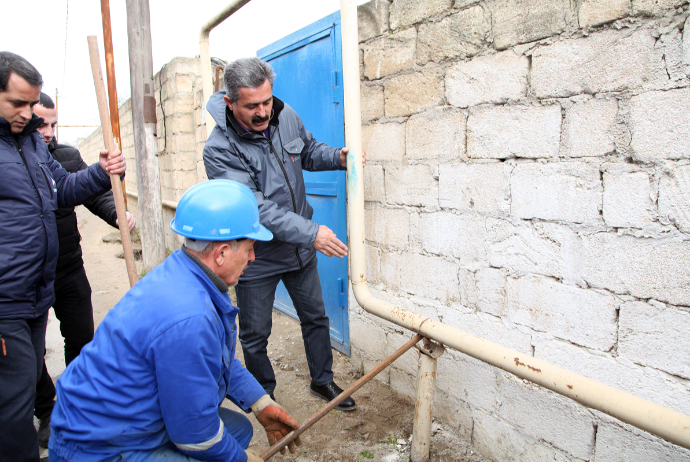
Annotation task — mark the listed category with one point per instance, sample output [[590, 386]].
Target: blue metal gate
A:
[[309, 69]]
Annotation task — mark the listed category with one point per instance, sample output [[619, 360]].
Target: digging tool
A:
[[273, 450], [115, 181]]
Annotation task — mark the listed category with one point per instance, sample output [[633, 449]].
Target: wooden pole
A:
[[112, 85], [144, 131], [110, 146]]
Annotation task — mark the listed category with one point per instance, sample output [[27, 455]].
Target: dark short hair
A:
[[246, 72], [10, 62], [46, 101]]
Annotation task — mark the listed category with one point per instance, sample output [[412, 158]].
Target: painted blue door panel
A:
[[308, 66]]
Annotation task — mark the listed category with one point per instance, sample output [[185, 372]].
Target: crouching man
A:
[[150, 384]]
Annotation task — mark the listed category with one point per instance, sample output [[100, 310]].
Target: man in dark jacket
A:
[[72, 304], [261, 142], [33, 186]]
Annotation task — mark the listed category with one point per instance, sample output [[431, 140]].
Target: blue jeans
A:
[[237, 425], [255, 300], [22, 342]]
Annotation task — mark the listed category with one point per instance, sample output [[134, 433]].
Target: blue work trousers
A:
[[235, 423], [22, 342], [255, 300]]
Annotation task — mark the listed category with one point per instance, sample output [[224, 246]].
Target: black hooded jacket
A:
[[102, 205]]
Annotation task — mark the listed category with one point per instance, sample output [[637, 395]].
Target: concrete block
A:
[[183, 104], [183, 84], [589, 127], [497, 440], [409, 361], [495, 78], [660, 125], [553, 418], [596, 12], [501, 132], [412, 185], [372, 19], [391, 269], [368, 338], [470, 380], [602, 62], [460, 35], [388, 227], [654, 7], [484, 290], [182, 124], [461, 236], [390, 54], [617, 372], [674, 203], [582, 316], [411, 93], [185, 180], [685, 50], [372, 102], [184, 162], [476, 187], [373, 183], [565, 191], [617, 444], [436, 134], [181, 65], [454, 413], [521, 21], [373, 258], [384, 141], [403, 383], [643, 268], [406, 12], [490, 328], [429, 277], [185, 143], [655, 336], [627, 199], [547, 249]]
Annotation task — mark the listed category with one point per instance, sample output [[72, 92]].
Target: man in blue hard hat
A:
[[261, 141], [150, 384]]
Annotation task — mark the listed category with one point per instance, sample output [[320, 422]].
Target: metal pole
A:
[[110, 146], [144, 131], [112, 86], [426, 381], [273, 450]]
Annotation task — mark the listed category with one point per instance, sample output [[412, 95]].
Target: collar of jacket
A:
[[230, 120], [34, 123], [215, 279], [52, 145]]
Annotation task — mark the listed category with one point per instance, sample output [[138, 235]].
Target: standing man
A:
[[261, 141], [150, 385], [33, 186], [72, 290]]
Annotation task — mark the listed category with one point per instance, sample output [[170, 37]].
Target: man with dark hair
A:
[[33, 186], [261, 141], [72, 304]]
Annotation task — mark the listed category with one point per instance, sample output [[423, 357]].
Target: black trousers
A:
[[74, 311], [21, 352]]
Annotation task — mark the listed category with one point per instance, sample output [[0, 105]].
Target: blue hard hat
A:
[[219, 210]]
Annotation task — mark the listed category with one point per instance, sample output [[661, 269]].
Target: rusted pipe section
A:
[[429, 352], [205, 58], [658, 420], [219, 71], [273, 450]]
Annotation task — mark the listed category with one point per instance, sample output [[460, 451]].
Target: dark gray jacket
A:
[[272, 169]]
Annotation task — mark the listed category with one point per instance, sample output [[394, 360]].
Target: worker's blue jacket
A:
[[33, 186], [158, 368]]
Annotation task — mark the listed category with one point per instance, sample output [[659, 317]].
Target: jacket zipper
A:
[[292, 194], [47, 182], [40, 201]]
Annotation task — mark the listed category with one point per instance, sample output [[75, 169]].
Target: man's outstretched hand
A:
[[343, 157], [328, 244], [113, 162], [276, 421]]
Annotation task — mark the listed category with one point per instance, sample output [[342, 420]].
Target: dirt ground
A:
[[380, 429]]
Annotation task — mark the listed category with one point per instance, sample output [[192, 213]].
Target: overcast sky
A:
[[51, 34]]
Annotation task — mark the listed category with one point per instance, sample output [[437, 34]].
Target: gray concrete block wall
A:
[[531, 184]]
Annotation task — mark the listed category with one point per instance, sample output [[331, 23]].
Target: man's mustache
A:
[[257, 120]]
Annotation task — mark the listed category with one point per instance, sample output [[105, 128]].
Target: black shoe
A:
[[44, 431], [329, 392]]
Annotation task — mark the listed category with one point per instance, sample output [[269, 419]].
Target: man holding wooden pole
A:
[[34, 185]]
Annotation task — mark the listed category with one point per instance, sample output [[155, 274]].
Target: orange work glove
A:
[[276, 421]]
